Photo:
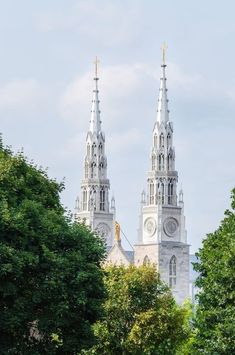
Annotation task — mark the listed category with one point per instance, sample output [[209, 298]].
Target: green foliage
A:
[[215, 317], [141, 316], [51, 283]]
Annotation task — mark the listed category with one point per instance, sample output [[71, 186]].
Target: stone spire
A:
[[162, 238], [94, 207], [162, 109], [95, 122]]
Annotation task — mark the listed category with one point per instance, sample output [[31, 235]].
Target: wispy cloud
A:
[[83, 18], [20, 94]]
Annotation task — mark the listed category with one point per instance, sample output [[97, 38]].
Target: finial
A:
[[164, 49], [96, 62], [117, 232]]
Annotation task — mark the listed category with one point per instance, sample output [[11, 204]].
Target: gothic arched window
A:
[[163, 162], [102, 199], [172, 272], [168, 140], [93, 165], [161, 143], [169, 194], [163, 193], [100, 148], [168, 161], [93, 148], [88, 149], [146, 260]]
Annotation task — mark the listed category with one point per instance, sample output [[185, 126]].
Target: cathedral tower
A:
[[94, 208], [162, 238]]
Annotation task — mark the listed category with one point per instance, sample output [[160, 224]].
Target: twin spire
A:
[[162, 107], [95, 122]]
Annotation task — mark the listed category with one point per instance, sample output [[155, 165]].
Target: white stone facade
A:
[[162, 238]]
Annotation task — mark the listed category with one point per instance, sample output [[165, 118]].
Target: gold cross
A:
[[96, 62], [164, 49]]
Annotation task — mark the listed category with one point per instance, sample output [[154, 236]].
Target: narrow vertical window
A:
[[161, 142], [93, 149], [172, 190], [163, 162], [168, 162], [168, 140], [93, 165], [102, 199], [88, 149], [146, 260], [100, 148], [163, 193], [169, 194], [172, 272]]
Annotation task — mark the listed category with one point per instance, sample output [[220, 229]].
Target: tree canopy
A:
[[215, 317], [141, 316], [51, 283]]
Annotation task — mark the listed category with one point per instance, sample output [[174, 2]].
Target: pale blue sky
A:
[[47, 49]]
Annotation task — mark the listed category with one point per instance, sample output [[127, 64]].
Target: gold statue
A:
[[164, 49], [96, 62], [117, 231]]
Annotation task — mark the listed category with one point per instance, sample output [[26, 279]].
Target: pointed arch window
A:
[[172, 272], [163, 162], [168, 140], [170, 192], [88, 149], [100, 148], [161, 142], [163, 193], [93, 149], [102, 199], [146, 260], [169, 162], [93, 165]]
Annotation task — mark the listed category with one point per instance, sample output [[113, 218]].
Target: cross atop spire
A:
[[164, 49], [96, 62]]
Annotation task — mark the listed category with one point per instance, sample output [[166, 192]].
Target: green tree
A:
[[215, 316], [141, 316], [51, 282]]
